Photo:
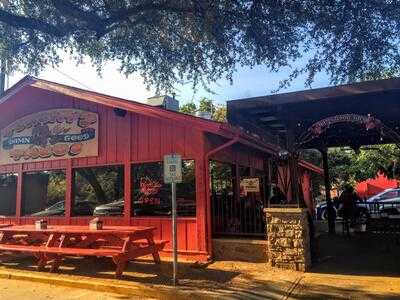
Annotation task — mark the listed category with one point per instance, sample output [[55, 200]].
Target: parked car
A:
[[321, 211], [54, 210], [81, 208], [115, 208], [386, 202]]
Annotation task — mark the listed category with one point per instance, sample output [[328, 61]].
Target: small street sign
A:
[[173, 175], [172, 168]]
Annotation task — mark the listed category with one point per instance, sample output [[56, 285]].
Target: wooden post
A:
[[69, 192], [329, 204], [127, 193], [293, 165], [18, 205]]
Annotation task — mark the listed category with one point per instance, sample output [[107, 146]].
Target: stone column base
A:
[[288, 238]]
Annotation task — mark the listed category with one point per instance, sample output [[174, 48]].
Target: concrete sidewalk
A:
[[362, 267], [325, 286], [26, 290], [218, 280]]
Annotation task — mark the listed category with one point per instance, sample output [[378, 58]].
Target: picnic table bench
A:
[[51, 245]]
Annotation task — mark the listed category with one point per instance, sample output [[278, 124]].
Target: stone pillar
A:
[[288, 238]]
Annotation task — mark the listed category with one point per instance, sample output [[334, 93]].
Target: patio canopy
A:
[[353, 115]]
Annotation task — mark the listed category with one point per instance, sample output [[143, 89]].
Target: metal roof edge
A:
[[328, 92], [111, 101]]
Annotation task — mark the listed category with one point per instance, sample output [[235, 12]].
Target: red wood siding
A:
[[132, 139], [244, 156]]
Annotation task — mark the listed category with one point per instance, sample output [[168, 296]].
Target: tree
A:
[[348, 166], [341, 167], [189, 108], [206, 105], [201, 41], [218, 112]]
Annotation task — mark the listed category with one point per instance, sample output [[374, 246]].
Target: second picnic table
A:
[[51, 245]]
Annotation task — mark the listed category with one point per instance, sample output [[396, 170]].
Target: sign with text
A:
[[250, 185], [50, 135], [172, 168]]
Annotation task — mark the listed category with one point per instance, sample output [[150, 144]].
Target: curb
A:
[[131, 289]]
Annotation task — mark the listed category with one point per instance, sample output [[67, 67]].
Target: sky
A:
[[246, 82]]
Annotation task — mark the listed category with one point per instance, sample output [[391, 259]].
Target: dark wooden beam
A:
[[327, 182]]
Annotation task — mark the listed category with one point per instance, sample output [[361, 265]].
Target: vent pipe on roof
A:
[[204, 114]]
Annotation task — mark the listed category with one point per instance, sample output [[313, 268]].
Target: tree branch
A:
[[124, 14], [34, 24], [91, 19]]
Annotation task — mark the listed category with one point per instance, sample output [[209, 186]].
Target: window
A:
[[389, 195], [8, 192], [99, 191], [44, 193], [151, 197]]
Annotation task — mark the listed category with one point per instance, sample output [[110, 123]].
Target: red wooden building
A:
[[67, 154]]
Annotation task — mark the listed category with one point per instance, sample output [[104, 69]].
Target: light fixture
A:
[[119, 112]]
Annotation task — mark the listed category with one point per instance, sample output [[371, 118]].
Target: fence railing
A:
[[381, 209]]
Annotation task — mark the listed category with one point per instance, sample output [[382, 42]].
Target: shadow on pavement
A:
[[366, 254]]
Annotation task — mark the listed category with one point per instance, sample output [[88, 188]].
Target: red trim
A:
[[311, 167], [68, 194], [207, 184], [18, 204], [110, 101], [127, 192], [219, 128]]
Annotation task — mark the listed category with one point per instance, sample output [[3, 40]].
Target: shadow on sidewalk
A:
[[366, 254]]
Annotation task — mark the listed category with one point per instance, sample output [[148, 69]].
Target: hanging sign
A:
[[49, 135], [321, 126], [250, 185]]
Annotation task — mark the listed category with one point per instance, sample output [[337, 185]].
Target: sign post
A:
[[173, 175]]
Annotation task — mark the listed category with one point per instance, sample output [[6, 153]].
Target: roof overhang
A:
[[206, 125], [296, 112]]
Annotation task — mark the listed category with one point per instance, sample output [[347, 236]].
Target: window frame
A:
[[34, 170], [132, 187], [17, 174], [94, 166]]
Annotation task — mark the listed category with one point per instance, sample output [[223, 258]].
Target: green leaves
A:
[[200, 41], [218, 112], [346, 166]]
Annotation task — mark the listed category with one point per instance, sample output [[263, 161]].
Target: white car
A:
[[386, 202]]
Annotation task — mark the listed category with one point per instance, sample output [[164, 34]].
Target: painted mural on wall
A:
[[50, 135]]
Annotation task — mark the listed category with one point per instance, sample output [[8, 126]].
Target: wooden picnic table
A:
[[51, 245]]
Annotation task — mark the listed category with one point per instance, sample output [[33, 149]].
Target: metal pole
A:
[[327, 181], [174, 237]]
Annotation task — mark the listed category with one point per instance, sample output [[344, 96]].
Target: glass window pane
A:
[[389, 195], [44, 193], [186, 190], [99, 191], [151, 197], [8, 192]]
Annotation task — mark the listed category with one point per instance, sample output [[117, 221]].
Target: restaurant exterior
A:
[[67, 155]]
